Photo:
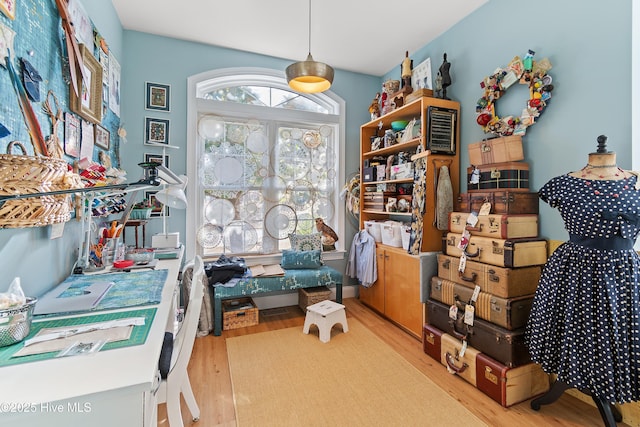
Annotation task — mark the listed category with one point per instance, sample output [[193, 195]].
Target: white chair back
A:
[[184, 339]]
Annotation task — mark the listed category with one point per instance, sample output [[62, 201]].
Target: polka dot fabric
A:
[[585, 320]]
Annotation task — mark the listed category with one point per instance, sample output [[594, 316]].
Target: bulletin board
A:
[[39, 38]]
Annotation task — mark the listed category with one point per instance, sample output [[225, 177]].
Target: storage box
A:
[[374, 229], [368, 174], [310, 296], [392, 233], [238, 313], [402, 171]]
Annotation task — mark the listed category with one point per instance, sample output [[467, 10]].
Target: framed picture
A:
[[157, 130], [89, 104], [421, 76], [441, 130], [156, 158], [158, 97], [158, 210], [8, 7], [102, 137], [71, 135]]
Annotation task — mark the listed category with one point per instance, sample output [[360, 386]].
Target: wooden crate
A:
[[238, 313], [310, 296]]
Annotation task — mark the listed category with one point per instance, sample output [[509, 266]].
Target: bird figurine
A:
[[329, 237]]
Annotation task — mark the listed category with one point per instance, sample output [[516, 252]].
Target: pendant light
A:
[[309, 76]]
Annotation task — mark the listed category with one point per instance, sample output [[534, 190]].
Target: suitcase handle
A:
[[451, 364], [478, 229], [470, 255], [454, 332], [472, 279]]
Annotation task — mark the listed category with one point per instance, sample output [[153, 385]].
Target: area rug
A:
[[288, 378]]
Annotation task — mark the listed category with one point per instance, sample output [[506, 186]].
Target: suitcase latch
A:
[[495, 174], [485, 148], [489, 375]]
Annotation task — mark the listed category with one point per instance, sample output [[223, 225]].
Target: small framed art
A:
[[158, 97], [8, 7], [158, 210], [89, 104], [156, 131], [102, 137], [421, 76], [71, 135], [156, 158]]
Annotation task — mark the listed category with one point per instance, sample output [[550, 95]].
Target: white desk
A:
[[109, 388]]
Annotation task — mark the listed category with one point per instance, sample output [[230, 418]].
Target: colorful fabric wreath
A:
[[523, 71]]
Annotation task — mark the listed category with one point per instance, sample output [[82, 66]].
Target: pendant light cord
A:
[[309, 27]]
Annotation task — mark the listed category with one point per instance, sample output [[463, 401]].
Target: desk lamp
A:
[[171, 196]]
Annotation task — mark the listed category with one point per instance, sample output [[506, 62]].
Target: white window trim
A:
[[274, 78]]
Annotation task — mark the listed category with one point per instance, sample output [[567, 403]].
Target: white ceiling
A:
[[366, 36]]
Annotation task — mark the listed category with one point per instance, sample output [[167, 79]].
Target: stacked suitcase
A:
[[488, 271]]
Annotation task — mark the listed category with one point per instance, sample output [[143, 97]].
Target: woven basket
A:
[[239, 313], [310, 296], [22, 174]]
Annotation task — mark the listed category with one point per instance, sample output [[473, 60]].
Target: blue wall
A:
[[592, 79], [150, 58], [591, 58]]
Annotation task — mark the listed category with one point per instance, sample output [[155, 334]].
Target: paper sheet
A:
[[112, 334]]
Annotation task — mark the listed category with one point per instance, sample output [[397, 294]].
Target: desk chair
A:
[[177, 379]]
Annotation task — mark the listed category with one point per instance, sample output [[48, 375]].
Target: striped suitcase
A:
[[500, 281], [510, 313]]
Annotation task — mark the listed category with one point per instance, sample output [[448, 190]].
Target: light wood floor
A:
[[209, 374]]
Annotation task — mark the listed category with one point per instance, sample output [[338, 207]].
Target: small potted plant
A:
[[141, 210]]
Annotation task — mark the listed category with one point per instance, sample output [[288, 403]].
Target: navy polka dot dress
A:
[[585, 320]]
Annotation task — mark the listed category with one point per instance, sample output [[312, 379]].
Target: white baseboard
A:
[[283, 300]]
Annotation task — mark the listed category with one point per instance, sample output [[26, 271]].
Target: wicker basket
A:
[[310, 296], [238, 313], [21, 174]]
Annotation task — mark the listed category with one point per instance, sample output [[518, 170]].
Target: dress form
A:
[[601, 166]]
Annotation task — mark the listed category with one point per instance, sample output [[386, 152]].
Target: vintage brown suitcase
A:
[[509, 386], [510, 313], [502, 226], [500, 281], [431, 341], [502, 202], [500, 252], [463, 364], [507, 347], [512, 176], [496, 150], [505, 385]]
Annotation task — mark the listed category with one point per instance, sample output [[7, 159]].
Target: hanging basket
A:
[[22, 174]]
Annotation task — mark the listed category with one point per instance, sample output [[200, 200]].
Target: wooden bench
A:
[[292, 280]]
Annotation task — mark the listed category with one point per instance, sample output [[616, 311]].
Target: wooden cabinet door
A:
[[402, 291], [374, 295]]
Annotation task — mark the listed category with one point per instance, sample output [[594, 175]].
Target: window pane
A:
[[265, 96]]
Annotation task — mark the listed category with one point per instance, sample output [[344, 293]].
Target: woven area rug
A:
[[288, 378]]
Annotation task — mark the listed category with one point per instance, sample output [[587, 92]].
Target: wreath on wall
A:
[[524, 71]]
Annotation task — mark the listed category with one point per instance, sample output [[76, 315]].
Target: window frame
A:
[[211, 80]]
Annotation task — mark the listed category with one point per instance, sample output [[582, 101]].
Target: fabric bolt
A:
[[362, 259], [585, 320], [418, 205]]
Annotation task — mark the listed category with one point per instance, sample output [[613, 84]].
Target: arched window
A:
[[263, 162]]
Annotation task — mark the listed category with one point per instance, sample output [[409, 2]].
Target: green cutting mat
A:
[[138, 334]]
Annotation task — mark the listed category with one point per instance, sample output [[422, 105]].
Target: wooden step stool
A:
[[325, 314]]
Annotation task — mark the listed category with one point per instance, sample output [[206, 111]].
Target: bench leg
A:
[[217, 316]]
